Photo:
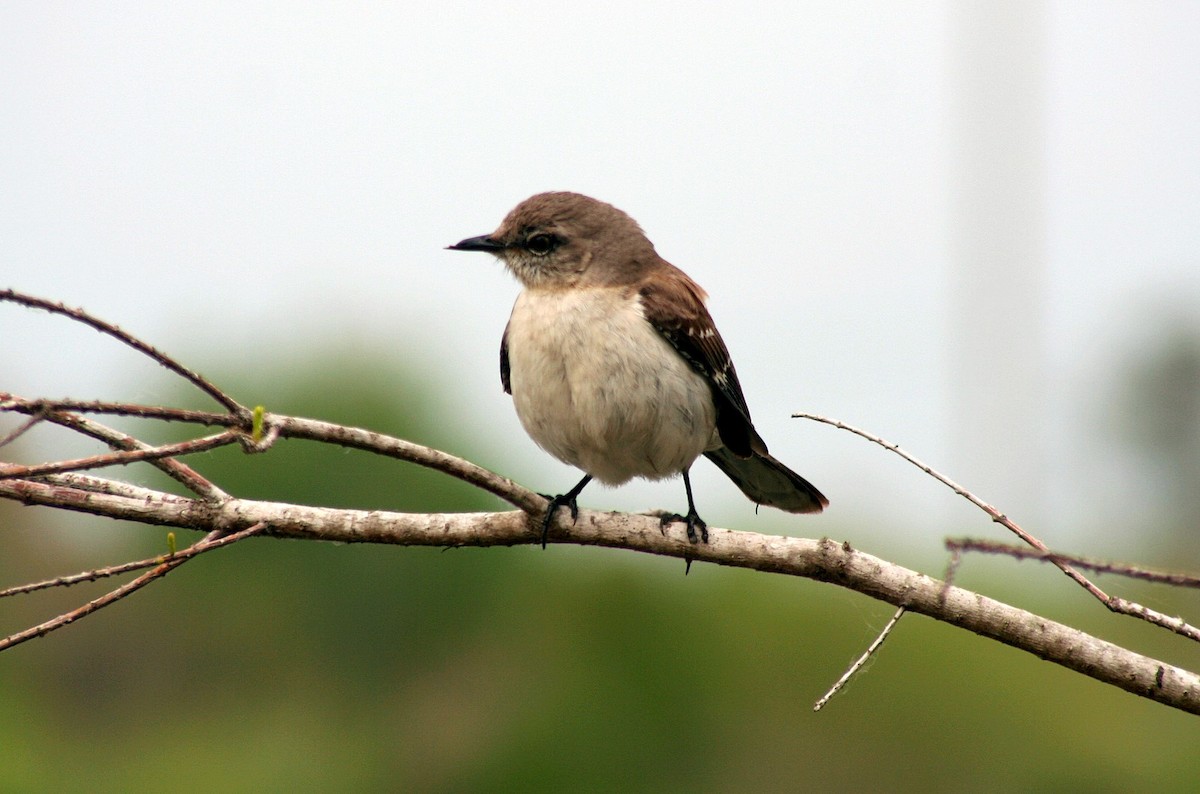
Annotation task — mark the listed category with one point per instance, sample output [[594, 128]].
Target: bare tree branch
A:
[[1114, 604], [33, 420], [214, 540], [41, 406], [81, 316], [309, 429], [10, 471], [824, 560], [53, 412], [958, 545], [85, 576], [871, 650]]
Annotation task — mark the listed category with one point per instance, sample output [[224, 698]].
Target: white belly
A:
[[585, 397]]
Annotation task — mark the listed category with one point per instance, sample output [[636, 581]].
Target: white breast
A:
[[597, 387]]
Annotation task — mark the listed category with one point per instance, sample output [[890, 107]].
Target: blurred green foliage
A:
[[286, 665]]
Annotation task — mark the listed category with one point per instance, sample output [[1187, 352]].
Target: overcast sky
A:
[[206, 174]]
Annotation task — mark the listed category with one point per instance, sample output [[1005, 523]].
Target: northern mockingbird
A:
[[614, 364]]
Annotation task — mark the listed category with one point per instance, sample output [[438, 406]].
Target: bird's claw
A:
[[562, 500], [693, 521]]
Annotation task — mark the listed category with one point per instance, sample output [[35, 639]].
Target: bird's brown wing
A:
[[674, 305]]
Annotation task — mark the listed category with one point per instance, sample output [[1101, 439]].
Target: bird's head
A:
[[558, 240]]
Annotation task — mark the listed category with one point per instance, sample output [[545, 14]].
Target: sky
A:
[[244, 179]]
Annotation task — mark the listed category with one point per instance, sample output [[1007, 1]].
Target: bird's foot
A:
[[563, 500], [566, 500], [693, 521]]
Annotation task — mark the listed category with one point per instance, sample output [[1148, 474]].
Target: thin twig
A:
[[995, 514], [309, 429], [1118, 605], [11, 402], [211, 541], [11, 471], [460, 468], [177, 470], [854, 668], [34, 419], [958, 545], [82, 316], [85, 576]]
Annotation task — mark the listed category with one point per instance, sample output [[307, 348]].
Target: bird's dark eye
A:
[[541, 244]]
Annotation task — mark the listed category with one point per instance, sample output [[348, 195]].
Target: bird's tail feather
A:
[[766, 481]]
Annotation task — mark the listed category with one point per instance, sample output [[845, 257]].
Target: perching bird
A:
[[614, 364]]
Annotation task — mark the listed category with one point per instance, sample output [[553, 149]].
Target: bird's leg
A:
[[563, 500], [692, 519]]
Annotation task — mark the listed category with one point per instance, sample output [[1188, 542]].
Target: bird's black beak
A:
[[484, 243]]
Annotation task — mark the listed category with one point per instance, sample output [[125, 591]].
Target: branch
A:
[[281, 427], [214, 540], [79, 315], [39, 410], [10, 471], [1119, 605], [823, 560], [958, 545]]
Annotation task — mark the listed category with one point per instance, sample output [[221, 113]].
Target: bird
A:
[[614, 363]]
